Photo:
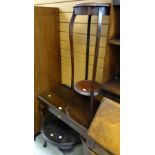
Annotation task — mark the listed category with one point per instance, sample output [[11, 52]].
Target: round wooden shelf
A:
[[84, 87], [92, 5]]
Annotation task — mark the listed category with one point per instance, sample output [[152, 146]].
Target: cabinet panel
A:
[[47, 71]]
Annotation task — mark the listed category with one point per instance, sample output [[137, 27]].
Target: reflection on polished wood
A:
[[105, 127], [74, 105], [83, 87]]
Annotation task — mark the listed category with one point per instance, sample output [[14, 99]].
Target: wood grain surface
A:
[[75, 106], [47, 62], [112, 54], [105, 127]]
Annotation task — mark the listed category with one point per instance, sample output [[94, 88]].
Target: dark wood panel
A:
[[47, 71]]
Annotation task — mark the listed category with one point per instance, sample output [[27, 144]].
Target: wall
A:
[[80, 29]]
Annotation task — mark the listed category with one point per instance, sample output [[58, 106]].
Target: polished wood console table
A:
[[72, 109]]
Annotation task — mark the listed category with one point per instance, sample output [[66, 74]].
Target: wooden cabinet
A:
[[111, 73], [112, 56], [47, 64]]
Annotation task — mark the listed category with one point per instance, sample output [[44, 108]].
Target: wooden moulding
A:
[[67, 5], [91, 9]]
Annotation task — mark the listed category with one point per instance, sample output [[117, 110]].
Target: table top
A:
[[74, 109], [73, 105]]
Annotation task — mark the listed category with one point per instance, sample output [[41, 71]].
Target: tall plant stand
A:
[[88, 87]]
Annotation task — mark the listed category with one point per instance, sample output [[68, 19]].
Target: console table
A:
[[73, 109], [74, 112]]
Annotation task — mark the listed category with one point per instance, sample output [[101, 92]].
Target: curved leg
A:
[[64, 153], [98, 35], [71, 25], [45, 144], [85, 146]]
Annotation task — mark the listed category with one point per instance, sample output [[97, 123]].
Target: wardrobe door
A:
[[47, 65]]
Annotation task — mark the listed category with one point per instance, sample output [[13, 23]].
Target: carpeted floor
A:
[[53, 150]]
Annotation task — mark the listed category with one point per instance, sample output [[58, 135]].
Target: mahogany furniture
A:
[[87, 87], [73, 108], [101, 136], [70, 107], [107, 135]]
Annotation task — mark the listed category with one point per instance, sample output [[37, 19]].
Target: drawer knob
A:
[[60, 108], [59, 116], [49, 95]]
